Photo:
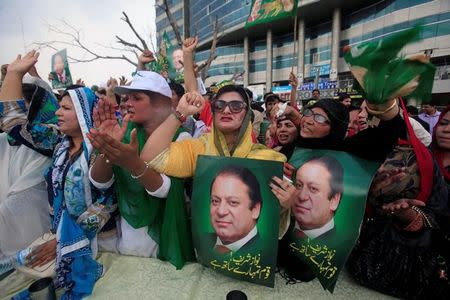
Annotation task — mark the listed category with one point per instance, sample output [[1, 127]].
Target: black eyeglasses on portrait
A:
[[235, 106], [321, 119]]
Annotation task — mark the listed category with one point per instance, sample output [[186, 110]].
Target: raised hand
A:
[[190, 44], [146, 57], [191, 104], [123, 80], [293, 81], [22, 65], [4, 69], [105, 120], [111, 83], [80, 82], [118, 153]]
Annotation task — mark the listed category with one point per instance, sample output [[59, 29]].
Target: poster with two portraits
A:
[[235, 215]]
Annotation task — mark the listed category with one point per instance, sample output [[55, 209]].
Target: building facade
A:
[[324, 27]]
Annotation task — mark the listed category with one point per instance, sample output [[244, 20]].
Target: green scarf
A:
[[166, 219], [382, 75]]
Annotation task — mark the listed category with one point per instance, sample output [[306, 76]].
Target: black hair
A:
[[177, 88], [336, 171], [247, 177], [234, 88], [249, 93], [353, 107], [412, 110], [257, 106], [316, 90], [343, 96], [270, 97]]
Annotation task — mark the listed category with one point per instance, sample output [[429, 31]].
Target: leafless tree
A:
[[203, 67], [71, 36]]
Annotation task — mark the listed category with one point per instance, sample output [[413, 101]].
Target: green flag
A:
[[265, 11], [384, 74], [163, 61]]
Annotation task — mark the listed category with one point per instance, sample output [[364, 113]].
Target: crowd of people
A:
[[110, 170]]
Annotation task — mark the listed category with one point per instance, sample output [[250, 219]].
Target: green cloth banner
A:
[[235, 217], [163, 63], [328, 209], [266, 11], [382, 74]]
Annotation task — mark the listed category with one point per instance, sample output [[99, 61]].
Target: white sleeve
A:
[[163, 190], [100, 185], [184, 136], [423, 135], [201, 86]]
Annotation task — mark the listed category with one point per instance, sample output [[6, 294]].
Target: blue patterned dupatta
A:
[[71, 196]]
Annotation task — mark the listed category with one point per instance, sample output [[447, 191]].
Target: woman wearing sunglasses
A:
[[230, 135]]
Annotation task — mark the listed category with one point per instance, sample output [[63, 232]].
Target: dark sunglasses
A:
[[235, 106], [321, 119]]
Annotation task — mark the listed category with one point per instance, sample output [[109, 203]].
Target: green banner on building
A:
[[266, 11]]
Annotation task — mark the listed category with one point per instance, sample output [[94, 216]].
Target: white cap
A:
[[146, 81]]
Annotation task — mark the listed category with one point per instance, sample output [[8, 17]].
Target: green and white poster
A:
[[328, 209], [61, 77], [266, 11], [235, 217]]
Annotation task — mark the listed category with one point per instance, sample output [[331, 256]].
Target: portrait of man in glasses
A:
[[319, 189]]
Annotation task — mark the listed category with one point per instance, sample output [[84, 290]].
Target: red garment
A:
[[424, 159], [206, 115], [254, 139], [437, 151]]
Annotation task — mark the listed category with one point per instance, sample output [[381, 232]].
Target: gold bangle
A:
[[381, 112]]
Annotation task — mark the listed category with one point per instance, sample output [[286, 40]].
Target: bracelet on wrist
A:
[[180, 117], [427, 222], [381, 112], [147, 164]]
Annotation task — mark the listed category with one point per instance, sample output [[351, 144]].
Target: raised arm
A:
[[12, 85], [190, 104], [145, 58], [190, 80], [293, 81]]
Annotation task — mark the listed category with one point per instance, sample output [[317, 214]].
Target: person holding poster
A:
[[235, 217], [60, 75], [328, 202]]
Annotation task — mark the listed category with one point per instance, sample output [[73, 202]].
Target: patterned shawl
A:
[[70, 195]]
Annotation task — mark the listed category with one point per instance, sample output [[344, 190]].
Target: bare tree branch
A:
[[127, 20], [127, 49], [172, 21], [125, 43], [75, 41]]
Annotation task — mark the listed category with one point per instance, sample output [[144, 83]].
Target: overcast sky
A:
[[24, 22]]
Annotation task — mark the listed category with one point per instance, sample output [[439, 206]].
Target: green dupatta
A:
[[166, 219]]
